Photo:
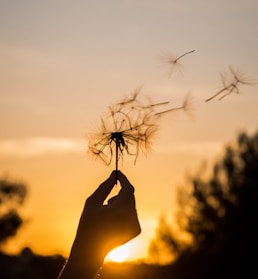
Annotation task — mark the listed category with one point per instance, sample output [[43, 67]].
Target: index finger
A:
[[104, 189], [126, 186], [125, 197]]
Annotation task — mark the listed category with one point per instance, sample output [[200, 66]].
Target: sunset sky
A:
[[64, 62]]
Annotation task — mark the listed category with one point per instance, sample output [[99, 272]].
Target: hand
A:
[[103, 227], [113, 224]]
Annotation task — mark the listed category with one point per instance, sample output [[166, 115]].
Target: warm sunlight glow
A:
[[90, 90], [119, 254]]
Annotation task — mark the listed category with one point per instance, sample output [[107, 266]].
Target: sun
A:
[[119, 254]]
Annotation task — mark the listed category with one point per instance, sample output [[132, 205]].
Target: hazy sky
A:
[[64, 62]]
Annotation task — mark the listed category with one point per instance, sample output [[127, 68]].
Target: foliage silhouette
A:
[[28, 265], [219, 214], [12, 195]]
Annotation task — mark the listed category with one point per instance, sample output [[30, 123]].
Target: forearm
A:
[[83, 262], [75, 271]]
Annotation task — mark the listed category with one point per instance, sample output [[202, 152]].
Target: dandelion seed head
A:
[[175, 67], [128, 126], [231, 81], [174, 62]]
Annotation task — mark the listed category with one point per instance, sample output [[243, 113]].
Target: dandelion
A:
[[230, 84], [174, 62], [128, 127]]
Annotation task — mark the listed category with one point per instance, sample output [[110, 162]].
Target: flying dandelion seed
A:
[[128, 127], [174, 62], [230, 84]]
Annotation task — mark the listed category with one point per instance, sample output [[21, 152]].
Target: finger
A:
[[113, 199], [125, 197], [127, 187], [122, 205], [104, 189]]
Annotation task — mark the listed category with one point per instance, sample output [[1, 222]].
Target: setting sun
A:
[[119, 254]]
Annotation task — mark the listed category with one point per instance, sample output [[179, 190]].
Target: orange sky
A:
[[64, 62]]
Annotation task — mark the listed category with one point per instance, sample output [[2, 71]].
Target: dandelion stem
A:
[[182, 55], [117, 155], [117, 146]]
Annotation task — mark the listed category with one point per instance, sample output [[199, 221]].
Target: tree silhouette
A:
[[12, 195], [219, 216]]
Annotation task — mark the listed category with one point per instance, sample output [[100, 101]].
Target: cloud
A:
[[37, 146], [192, 148]]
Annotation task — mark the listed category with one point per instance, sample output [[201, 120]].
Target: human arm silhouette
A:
[[102, 227]]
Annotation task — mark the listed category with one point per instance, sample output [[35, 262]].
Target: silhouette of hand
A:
[[102, 227], [112, 224]]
